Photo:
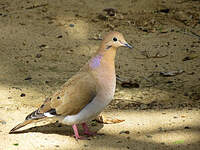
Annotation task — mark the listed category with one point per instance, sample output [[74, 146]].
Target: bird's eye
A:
[[115, 39]]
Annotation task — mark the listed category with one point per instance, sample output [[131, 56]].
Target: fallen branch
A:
[[171, 73], [36, 6]]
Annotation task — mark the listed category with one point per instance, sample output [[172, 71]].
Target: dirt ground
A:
[[43, 43]]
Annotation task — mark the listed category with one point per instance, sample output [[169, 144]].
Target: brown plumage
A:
[[80, 86], [86, 93]]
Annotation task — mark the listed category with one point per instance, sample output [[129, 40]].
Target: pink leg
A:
[[76, 134], [87, 131]]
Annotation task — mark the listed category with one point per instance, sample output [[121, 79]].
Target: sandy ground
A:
[[43, 43]]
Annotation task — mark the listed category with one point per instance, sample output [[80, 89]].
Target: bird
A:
[[85, 95]]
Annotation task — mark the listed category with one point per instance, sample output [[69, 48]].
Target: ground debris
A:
[[127, 83], [187, 127], [136, 105], [36, 6], [43, 46], [164, 10], [149, 136], [171, 73], [38, 55], [23, 95], [110, 11], [17, 88], [2, 121], [28, 78], [96, 37], [130, 85], [124, 131], [107, 120], [189, 57], [16, 144]]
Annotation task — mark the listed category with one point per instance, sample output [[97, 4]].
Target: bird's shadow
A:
[[58, 128]]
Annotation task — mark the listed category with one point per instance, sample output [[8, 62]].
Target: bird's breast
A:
[[106, 84]]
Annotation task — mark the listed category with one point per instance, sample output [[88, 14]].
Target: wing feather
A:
[[74, 95]]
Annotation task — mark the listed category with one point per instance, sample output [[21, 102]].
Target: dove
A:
[[85, 95]]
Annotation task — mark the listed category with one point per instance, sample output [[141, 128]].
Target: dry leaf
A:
[[107, 120]]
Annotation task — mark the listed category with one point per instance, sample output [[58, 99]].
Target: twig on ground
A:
[[36, 6], [190, 33]]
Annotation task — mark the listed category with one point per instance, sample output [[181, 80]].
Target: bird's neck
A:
[[109, 56], [102, 67], [103, 59]]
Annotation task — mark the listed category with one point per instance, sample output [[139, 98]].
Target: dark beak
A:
[[127, 45]]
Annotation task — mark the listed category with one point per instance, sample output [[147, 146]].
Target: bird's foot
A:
[[76, 134], [87, 131], [80, 137]]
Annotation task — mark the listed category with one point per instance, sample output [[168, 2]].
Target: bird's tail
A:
[[20, 125], [29, 119]]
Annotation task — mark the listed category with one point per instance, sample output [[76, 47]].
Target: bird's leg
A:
[[76, 134], [87, 131]]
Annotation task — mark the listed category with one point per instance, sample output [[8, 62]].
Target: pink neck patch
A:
[[95, 62]]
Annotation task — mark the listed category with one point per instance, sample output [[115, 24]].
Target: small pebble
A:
[[43, 46], [28, 78], [38, 55], [126, 132], [71, 25], [148, 136], [2, 122], [110, 11], [23, 94], [59, 36], [187, 127], [165, 10], [130, 85], [16, 144]]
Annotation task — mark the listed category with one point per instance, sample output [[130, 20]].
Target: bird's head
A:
[[114, 40], [108, 47]]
